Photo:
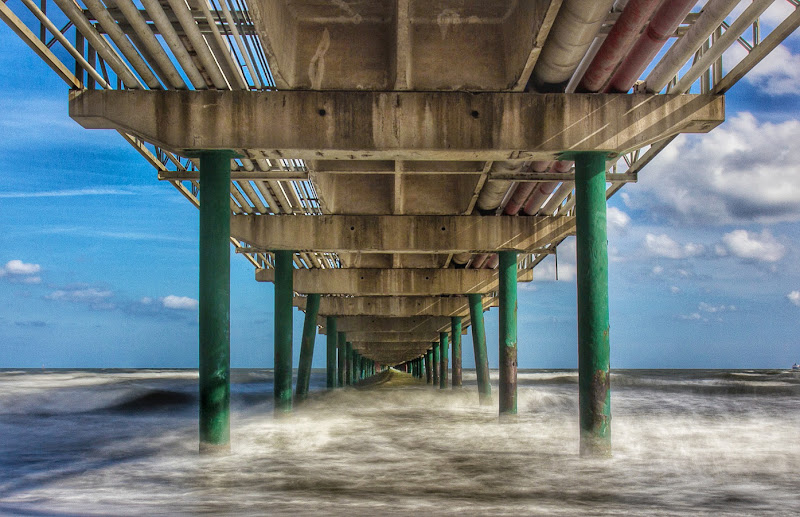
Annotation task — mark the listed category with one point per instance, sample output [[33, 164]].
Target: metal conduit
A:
[[96, 40], [617, 44], [239, 43], [59, 36], [174, 43], [110, 26], [545, 188], [198, 41], [223, 46], [741, 24], [150, 42], [665, 22], [712, 15]]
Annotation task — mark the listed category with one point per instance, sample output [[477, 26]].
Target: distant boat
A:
[[796, 366]]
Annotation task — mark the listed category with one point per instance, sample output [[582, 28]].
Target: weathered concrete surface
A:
[[395, 306], [403, 44], [400, 233], [350, 125], [351, 324], [393, 282]]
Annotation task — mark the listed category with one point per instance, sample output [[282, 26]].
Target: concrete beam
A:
[[400, 338], [388, 324], [394, 306], [393, 282], [400, 233], [353, 125]]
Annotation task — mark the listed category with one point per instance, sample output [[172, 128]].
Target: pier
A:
[[395, 168]]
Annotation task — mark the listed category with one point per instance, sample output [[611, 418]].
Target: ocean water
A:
[[124, 442]]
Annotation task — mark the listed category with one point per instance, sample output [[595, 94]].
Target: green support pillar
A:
[[283, 331], [443, 366], [593, 322], [342, 351], [428, 367], [215, 301], [455, 331], [330, 357], [307, 346], [436, 368], [508, 332], [479, 347], [348, 364]]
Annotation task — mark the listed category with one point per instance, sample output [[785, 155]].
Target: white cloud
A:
[[87, 295], [617, 219], [674, 289], [17, 267], [567, 269], [776, 74], [761, 247], [179, 302], [744, 170], [32, 280], [146, 300], [67, 193], [664, 246], [657, 270], [707, 307], [695, 316], [794, 297]]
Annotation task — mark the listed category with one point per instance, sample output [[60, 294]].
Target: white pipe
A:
[[239, 43], [712, 15], [186, 20], [150, 42], [174, 42], [109, 24], [222, 43], [728, 38]]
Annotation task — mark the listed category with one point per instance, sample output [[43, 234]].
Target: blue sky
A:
[[98, 260]]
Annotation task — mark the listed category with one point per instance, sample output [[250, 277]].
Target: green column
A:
[[330, 357], [307, 346], [283, 331], [443, 366], [455, 331], [507, 273], [593, 323], [428, 367], [436, 368], [479, 347], [215, 300], [342, 351], [348, 364]]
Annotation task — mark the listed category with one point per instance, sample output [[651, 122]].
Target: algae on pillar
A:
[[428, 359], [507, 273], [330, 357], [436, 367], [348, 364], [593, 322], [282, 376], [342, 356], [214, 302], [307, 346], [479, 347], [455, 327], [443, 360]]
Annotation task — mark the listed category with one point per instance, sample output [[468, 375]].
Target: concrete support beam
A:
[[393, 282], [400, 233], [414, 324], [351, 125], [406, 306]]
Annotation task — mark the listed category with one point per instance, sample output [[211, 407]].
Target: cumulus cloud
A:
[[664, 246], [675, 289], [19, 271], [750, 246], [97, 299], [706, 311], [179, 302], [617, 219], [744, 170], [567, 269], [776, 74], [794, 297]]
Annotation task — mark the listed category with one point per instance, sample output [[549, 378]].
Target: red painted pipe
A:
[[524, 190], [544, 189], [664, 23], [617, 44]]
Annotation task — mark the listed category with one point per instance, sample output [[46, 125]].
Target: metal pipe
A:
[[455, 331], [307, 347], [214, 302], [342, 356], [664, 23], [617, 44], [110, 26], [235, 31], [507, 276], [222, 45], [722, 43], [443, 359], [524, 189], [282, 376], [167, 31], [96, 40], [330, 356], [712, 15], [593, 322], [544, 189], [198, 41], [479, 348], [575, 28]]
